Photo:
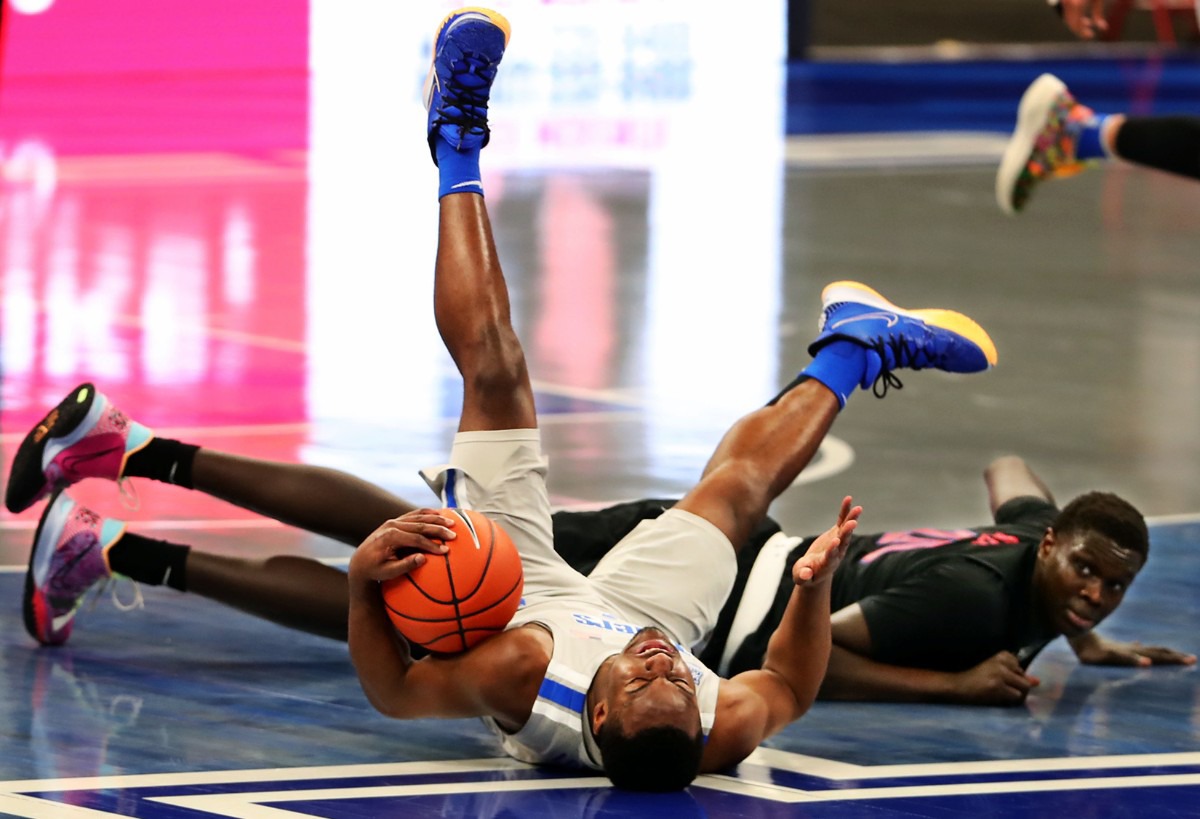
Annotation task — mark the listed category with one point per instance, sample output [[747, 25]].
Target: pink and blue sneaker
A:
[[466, 53], [85, 436], [69, 557], [896, 338]]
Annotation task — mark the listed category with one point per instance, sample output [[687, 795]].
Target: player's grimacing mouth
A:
[[1080, 621], [655, 646]]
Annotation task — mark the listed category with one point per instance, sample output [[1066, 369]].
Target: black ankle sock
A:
[[1168, 143], [153, 562], [163, 459]]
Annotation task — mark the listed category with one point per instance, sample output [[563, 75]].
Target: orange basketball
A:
[[455, 600]]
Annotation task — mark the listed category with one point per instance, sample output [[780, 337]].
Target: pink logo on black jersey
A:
[[933, 538], [916, 539]]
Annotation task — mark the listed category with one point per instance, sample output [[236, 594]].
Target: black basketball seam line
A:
[[516, 585], [432, 599], [462, 638], [455, 601], [458, 628]]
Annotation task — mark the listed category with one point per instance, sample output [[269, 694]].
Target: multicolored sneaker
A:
[[85, 436], [1042, 146], [69, 557], [899, 338], [466, 52]]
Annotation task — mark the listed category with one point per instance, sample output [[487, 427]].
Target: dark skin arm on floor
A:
[[854, 676]]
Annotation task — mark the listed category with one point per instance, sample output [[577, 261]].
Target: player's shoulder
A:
[[741, 720], [525, 649], [507, 670], [510, 655]]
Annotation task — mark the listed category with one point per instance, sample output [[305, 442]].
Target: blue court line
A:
[[975, 95]]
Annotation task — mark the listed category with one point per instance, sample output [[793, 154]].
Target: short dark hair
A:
[[1109, 515], [659, 759]]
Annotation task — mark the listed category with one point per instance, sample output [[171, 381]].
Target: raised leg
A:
[[864, 337]]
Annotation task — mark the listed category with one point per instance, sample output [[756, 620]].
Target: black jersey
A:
[[932, 598], [942, 599]]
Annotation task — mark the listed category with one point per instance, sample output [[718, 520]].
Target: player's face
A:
[[1081, 578], [650, 684]]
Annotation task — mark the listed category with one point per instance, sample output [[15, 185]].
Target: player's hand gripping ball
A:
[[453, 601]]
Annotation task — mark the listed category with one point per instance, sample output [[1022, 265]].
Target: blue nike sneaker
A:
[[466, 52], [899, 338]]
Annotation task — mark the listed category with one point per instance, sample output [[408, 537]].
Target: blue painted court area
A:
[[187, 709], [975, 95]]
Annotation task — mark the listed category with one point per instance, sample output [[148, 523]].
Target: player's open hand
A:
[[1085, 18], [400, 545], [823, 556], [1093, 649]]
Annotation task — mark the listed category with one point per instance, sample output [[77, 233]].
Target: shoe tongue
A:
[[874, 367]]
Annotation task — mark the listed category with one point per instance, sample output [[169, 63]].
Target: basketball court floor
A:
[[241, 255]]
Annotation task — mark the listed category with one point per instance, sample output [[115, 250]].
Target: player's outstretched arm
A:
[[998, 680], [1094, 649], [756, 704]]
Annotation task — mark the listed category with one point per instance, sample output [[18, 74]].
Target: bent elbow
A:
[[391, 706], [390, 710], [804, 702]]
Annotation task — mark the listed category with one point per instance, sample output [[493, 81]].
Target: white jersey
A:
[[558, 732], [673, 573]]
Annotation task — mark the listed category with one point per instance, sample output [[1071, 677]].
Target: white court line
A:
[[1169, 520], [116, 782], [935, 149], [336, 562], [248, 805], [235, 431], [167, 525], [832, 769], [780, 794], [31, 807], [265, 430], [610, 396]]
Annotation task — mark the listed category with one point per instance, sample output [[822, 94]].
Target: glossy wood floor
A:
[[264, 288]]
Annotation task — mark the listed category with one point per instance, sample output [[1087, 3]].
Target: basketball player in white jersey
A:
[[593, 671]]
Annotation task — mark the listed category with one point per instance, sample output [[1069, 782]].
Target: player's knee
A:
[[738, 498], [495, 363]]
